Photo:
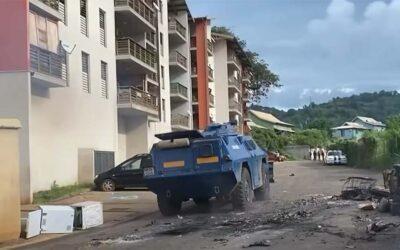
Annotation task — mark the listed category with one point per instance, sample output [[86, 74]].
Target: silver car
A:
[[335, 157]]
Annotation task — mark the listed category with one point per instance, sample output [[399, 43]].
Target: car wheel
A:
[[108, 185], [262, 193], [243, 195], [168, 206]]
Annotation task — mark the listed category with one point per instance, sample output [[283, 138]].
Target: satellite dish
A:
[[68, 48]]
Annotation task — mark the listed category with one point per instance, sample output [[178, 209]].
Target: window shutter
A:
[[85, 73], [104, 80], [102, 19], [83, 15]]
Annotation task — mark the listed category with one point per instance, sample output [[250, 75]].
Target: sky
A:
[[319, 48]]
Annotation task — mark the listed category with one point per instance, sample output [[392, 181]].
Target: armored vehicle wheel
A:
[[243, 194], [203, 204], [262, 193], [168, 206]]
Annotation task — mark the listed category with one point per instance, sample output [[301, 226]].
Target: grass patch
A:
[[57, 192]]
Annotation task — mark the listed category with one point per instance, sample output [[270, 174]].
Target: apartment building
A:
[[179, 18], [202, 73], [58, 77], [231, 77], [142, 61]]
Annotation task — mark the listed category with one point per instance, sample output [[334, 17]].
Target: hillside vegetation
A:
[[378, 105]]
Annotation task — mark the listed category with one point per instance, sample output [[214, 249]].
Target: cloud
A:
[[347, 90], [323, 91], [278, 90], [353, 45]]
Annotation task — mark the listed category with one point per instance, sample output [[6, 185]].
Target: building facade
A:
[[231, 77], [142, 62], [356, 128], [179, 18], [58, 77]]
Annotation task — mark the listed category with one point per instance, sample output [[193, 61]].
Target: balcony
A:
[[137, 14], [210, 73], [210, 48], [194, 72], [177, 61], [235, 107], [133, 101], [179, 93], [246, 78], [47, 8], [233, 61], [133, 58], [246, 96], [176, 31], [235, 84], [212, 100], [151, 39], [180, 122], [48, 68]]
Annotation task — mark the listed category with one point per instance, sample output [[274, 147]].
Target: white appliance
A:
[[57, 219], [88, 214], [30, 223]]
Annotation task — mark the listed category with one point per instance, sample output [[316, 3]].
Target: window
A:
[[85, 73], [62, 9], [43, 32], [162, 77], [104, 80], [83, 14], [163, 110], [132, 165], [102, 20], [162, 44]]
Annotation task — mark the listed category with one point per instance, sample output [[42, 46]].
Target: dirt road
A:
[[300, 214]]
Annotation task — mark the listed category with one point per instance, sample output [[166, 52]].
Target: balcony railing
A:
[[175, 25], [234, 82], [151, 37], [180, 120], [132, 95], [51, 3], [234, 58], [176, 57], [126, 46], [179, 89], [139, 7], [233, 104], [210, 46], [193, 42], [212, 99], [47, 62], [210, 73]]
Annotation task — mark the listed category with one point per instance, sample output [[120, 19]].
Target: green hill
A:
[[338, 110]]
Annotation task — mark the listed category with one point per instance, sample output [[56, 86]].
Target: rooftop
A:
[[269, 118], [369, 120]]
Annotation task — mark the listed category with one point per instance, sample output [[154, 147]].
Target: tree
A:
[[262, 79]]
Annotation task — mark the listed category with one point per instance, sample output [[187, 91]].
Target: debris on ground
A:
[[261, 243], [358, 188], [379, 226], [291, 174], [367, 206], [384, 205]]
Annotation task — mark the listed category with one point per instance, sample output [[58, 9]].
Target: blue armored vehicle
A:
[[200, 165]]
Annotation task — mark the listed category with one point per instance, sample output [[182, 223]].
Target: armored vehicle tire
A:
[[168, 206], [243, 194], [203, 204], [262, 193]]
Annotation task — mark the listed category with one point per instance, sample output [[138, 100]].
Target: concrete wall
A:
[[221, 81], [63, 120], [298, 152], [9, 168]]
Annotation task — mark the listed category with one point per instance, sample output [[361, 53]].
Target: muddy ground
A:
[[302, 213]]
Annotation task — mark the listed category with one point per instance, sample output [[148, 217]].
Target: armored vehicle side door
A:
[[255, 163]]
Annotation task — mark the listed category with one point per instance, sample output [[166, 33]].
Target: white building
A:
[[142, 74], [66, 100]]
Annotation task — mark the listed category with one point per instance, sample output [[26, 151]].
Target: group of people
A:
[[317, 154]]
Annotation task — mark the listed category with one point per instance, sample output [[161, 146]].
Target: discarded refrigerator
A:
[[57, 219], [88, 214]]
